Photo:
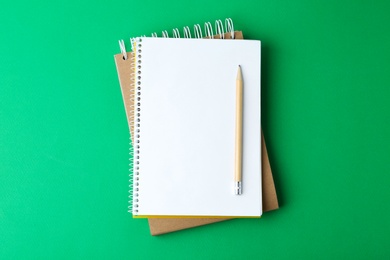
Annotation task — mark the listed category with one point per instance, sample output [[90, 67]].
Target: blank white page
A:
[[185, 128]]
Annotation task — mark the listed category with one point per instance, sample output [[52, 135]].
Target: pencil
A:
[[238, 150]]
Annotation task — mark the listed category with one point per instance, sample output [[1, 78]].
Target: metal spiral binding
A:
[[131, 144], [132, 40], [176, 33], [198, 31], [123, 49], [219, 29], [229, 27], [131, 170], [137, 123], [208, 30], [187, 32], [165, 34]]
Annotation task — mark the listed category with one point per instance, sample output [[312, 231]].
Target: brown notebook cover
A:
[[158, 226]]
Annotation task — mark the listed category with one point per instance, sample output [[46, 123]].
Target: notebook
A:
[[125, 67], [184, 153]]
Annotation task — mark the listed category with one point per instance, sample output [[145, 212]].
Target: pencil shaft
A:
[[238, 150]]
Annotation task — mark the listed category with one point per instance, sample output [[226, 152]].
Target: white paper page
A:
[[187, 128]]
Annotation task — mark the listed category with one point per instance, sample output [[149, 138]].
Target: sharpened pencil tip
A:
[[239, 74]]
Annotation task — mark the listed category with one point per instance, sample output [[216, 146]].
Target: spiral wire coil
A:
[[220, 30]]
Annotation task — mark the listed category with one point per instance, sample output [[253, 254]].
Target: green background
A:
[[64, 136]]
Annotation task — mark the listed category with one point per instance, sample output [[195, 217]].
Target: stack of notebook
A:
[[181, 105]]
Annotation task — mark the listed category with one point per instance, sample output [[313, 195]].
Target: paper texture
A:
[[186, 153]]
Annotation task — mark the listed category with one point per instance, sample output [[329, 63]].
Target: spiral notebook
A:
[[125, 68], [124, 63], [184, 152]]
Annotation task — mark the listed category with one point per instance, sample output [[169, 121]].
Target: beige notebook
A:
[[159, 226]]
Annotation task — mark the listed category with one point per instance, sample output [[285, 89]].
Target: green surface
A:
[[64, 137]]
